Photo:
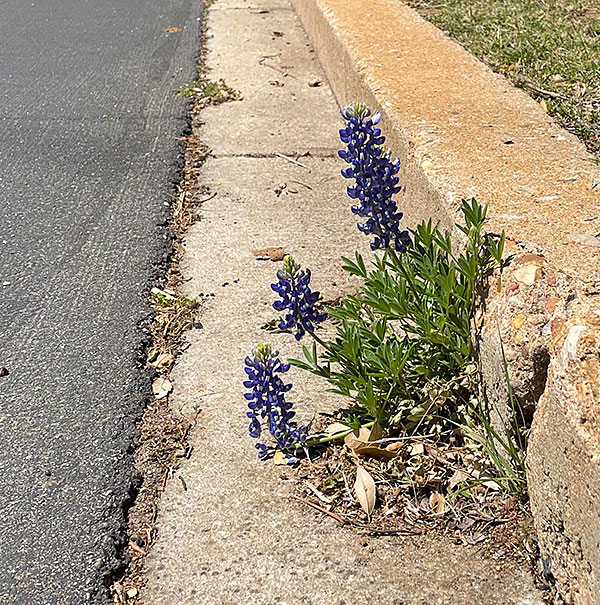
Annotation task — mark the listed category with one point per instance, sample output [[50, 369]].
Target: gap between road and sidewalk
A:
[[230, 532]]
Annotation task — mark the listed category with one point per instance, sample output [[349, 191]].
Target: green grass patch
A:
[[209, 91], [550, 48]]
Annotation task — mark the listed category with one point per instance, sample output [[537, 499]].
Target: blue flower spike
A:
[[375, 178], [267, 403], [293, 286]]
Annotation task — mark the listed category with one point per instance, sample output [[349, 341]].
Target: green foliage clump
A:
[[209, 91], [403, 343]]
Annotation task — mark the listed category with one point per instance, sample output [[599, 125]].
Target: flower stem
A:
[[334, 437]]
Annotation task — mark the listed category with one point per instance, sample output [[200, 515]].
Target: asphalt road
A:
[[88, 158]]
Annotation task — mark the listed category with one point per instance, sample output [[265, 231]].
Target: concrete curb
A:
[[461, 131]]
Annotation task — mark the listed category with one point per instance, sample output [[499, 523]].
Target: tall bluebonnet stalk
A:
[[375, 180], [267, 403], [296, 298]]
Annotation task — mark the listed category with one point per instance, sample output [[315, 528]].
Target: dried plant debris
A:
[[425, 485], [207, 92], [174, 315], [190, 193], [410, 484], [163, 447], [430, 487]]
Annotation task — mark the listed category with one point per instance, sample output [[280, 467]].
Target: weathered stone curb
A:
[[461, 131]]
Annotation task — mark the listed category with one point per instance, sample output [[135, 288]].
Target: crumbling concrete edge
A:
[[544, 309]]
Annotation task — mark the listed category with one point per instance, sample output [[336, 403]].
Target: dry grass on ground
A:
[[550, 48]]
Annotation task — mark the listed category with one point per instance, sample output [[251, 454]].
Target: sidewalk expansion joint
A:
[[253, 10], [288, 155]]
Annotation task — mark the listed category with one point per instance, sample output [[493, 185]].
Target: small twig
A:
[[339, 519], [210, 197], [546, 93], [320, 495], [285, 74], [404, 438], [303, 184], [348, 487], [385, 532], [137, 549], [292, 160]]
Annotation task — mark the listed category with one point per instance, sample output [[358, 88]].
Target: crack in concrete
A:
[[297, 157], [253, 10]]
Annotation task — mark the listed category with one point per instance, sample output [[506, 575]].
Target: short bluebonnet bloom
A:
[[375, 178], [267, 402], [296, 298]]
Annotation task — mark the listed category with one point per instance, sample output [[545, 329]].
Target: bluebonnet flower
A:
[[267, 403], [375, 178], [296, 298]]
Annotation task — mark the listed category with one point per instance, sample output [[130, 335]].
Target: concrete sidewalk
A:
[[235, 535]]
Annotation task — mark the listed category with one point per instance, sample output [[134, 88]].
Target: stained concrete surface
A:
[[87, 161], [234, 534]]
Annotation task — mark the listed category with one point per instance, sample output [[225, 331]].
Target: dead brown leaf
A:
[[592, 12], [459, 476], [363, 436], [372, 451], [417, 449], [335, 428], [161, 387], [437, 503], [365, 490], [279, 458], [274, 254], [164, 359], [361, 442]]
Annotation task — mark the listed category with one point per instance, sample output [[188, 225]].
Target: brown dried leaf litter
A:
[[163, 439], [427, 486]]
